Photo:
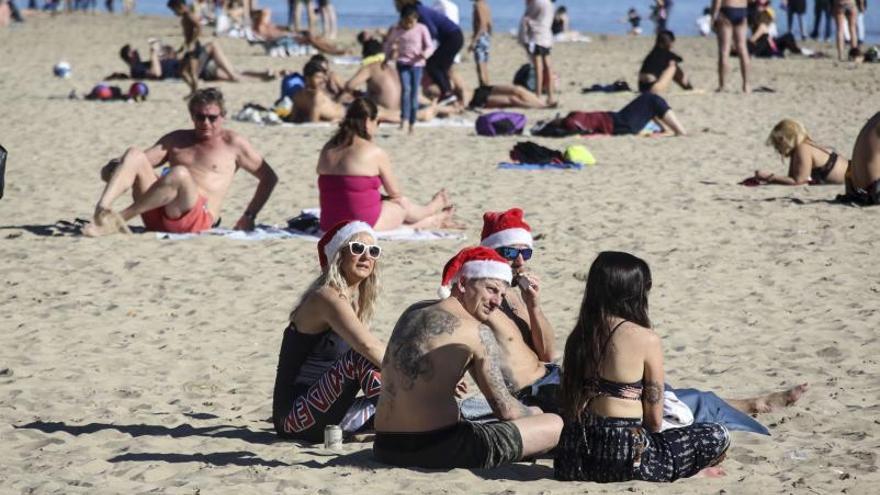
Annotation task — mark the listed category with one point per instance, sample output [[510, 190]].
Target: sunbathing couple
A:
[[203, 160], [199, 61], [812, 163], [491, 326]]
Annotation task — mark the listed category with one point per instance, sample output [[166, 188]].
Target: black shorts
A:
[[462, 445], [481, 97], [539, 50]]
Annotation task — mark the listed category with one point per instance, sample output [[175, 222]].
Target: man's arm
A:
[[543, 336], [253, 162], [358, 79], [486, 371]]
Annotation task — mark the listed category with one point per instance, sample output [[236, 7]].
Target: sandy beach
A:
[[132, 364]]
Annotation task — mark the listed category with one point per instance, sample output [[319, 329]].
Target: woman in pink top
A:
[[409, 44], [350, 170]]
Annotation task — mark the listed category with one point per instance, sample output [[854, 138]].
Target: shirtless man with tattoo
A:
[[431, 347], [526, 338]]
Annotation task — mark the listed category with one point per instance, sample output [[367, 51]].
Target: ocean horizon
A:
[[591, 16]]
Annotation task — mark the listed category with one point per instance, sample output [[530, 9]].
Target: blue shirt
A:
[[440, 27]]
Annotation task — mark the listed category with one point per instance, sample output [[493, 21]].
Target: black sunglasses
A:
[[358, 248], [200, 117], [510, 253]]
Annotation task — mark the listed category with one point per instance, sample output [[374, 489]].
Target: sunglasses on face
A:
[[201, 117], [358, 248], [510, 253]]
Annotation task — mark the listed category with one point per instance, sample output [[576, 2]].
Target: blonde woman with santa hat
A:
[[433, 344], [328, 353]]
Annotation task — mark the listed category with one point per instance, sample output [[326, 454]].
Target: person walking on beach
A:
[[409, 45], [537, 34], [822, 8], [846, 17], [795, 10], [188, 198], [431, 347], [294, 15], [481, 41], [729, 21], [448, 40]]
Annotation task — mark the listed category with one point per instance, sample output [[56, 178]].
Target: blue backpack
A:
[[291, 84]]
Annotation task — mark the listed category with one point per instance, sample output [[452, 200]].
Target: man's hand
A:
[[530, 287], [246, 222]]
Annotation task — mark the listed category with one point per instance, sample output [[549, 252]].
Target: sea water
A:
[[592, 16]]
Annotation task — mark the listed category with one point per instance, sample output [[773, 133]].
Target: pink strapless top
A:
[[349, 197]]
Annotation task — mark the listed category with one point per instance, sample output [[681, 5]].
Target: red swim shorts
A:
[[195, 220]]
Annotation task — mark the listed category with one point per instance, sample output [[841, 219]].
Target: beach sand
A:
[[132, 364]]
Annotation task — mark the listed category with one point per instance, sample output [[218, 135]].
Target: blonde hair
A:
[[364, 304], [786, 136]]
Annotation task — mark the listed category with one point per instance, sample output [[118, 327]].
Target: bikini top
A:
[[820, 174], [600, 387]]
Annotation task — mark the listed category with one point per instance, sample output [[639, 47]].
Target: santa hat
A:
[[341, 232], [474, 262], [505, 228]]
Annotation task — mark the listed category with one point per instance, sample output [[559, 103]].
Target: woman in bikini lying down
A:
[[808, 162]]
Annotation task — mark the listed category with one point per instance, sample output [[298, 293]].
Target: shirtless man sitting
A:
[[431, 347], [313, 103], [383, 87], [189, 197], [863, 176], [526, 338]]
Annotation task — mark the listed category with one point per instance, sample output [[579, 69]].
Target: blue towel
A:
[[709, 408], [540, 166]]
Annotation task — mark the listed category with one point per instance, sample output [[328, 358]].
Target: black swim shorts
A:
[[539, 50], [462, 445]]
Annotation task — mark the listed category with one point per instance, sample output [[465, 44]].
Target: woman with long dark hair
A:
[[352, 168], [612, 389]]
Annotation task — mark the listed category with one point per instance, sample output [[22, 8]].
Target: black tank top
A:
[[302, 360]]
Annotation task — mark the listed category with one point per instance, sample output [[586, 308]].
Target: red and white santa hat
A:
[[341, 232], [474, 262], [505, 228]]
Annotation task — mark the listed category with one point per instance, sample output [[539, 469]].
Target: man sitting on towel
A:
[[433, 344], [526, 338], [188, 198]]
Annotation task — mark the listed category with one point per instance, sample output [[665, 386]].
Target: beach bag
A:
[[501, 124], [579, 154], [530, 152]]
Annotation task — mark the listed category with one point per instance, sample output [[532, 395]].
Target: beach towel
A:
[[616, 87], [347, 60], [299, 227], [709, 408], [675, 412]]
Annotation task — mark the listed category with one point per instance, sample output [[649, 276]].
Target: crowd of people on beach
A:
[[607, 413]]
